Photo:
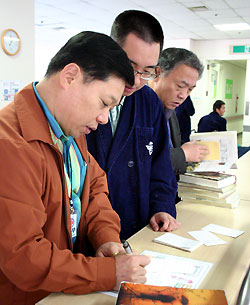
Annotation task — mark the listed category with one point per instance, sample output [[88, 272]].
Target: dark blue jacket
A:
[[212, 122], [183, 113], [137, 161]]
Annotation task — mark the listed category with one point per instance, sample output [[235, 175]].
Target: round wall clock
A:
[[11, 42]]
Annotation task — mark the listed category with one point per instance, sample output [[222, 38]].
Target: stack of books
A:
[[213, 188]]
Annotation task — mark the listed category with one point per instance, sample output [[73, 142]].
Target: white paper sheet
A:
[[207, 238], [184, 272], [223, 230]]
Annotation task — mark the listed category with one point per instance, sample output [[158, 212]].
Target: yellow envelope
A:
[[214, 149]]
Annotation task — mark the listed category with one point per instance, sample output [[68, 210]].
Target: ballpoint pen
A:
[[127, 247]]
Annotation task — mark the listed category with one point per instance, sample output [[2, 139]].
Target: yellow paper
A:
[[214, 149]]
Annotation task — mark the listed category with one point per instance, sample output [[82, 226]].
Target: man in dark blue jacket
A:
[[133, 148], [214, 120]]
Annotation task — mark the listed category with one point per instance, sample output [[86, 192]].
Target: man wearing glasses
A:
[[133, 148]]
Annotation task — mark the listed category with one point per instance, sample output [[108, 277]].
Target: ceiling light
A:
[[232, 27], [201, 8]]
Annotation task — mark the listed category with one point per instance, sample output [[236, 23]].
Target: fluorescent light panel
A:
[[232, 27]]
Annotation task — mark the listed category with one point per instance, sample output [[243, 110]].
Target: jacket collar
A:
[[33, 123]]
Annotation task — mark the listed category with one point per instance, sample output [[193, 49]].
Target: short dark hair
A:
[[170, 58], [217, 104], [141, 24], [98, 55]]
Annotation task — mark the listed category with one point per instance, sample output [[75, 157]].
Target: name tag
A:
[[73, 218]]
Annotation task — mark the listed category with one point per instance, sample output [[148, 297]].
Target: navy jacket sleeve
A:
[[177, 154]]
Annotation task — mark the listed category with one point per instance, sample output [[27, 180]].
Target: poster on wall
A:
[[229, 89], [8, 89]]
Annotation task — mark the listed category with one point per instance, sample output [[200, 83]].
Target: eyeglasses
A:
[[146, 75]]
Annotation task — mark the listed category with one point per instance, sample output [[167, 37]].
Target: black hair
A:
[[141, 24], [170, 58], [98, 55], [217, 105]]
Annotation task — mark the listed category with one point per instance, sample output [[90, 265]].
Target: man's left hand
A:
[[110, 249], [162, 221]]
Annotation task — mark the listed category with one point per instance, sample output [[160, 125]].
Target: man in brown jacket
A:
[[53, 195]]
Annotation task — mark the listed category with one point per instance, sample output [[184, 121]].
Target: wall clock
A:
[[11, 42]]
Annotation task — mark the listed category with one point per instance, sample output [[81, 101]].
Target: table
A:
[[230, 261], [242, 173]]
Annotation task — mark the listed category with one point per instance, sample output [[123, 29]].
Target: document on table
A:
[[207, 238], [176, 241], [222, 230], [175, 271]]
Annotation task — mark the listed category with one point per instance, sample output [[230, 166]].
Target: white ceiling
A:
[[63, 18], [57, 20]]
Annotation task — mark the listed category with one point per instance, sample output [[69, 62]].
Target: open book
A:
[[222, 148]]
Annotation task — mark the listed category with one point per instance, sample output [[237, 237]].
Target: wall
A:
[[213, 51], [178, 43], [246, 124], [20, 66], [210, 93]]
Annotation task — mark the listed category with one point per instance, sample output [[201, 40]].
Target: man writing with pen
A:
[[59, 232]]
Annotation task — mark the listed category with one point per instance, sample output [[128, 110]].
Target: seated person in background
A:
[[180, 70], [53, 194], [183, 113], [214, 120]]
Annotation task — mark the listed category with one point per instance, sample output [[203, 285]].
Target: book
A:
[[139, 294], [213, 179], [219, 203], [221, 190], [222, 148], [199, 193], [176, 241]]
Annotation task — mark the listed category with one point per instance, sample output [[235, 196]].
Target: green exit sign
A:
[[241, 49]]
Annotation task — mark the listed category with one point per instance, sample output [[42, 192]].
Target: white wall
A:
[[246, 124], [178, 43], [214, 51], [225, 70], [18, 15]]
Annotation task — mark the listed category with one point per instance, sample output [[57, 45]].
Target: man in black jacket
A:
[[180, 70]]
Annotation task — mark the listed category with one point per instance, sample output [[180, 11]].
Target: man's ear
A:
[[158, 72], [68, 74]]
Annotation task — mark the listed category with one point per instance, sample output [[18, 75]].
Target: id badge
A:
[[73, 218]]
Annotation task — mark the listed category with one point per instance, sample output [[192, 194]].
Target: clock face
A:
[[11, 42]]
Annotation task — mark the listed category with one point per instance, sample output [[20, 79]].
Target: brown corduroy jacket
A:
[[36, 255]]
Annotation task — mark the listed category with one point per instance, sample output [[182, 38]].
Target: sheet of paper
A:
[[222, 230], [190, 275], [112, 293], [173, 271], [177, 241], [213, 148], [207, 238]]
